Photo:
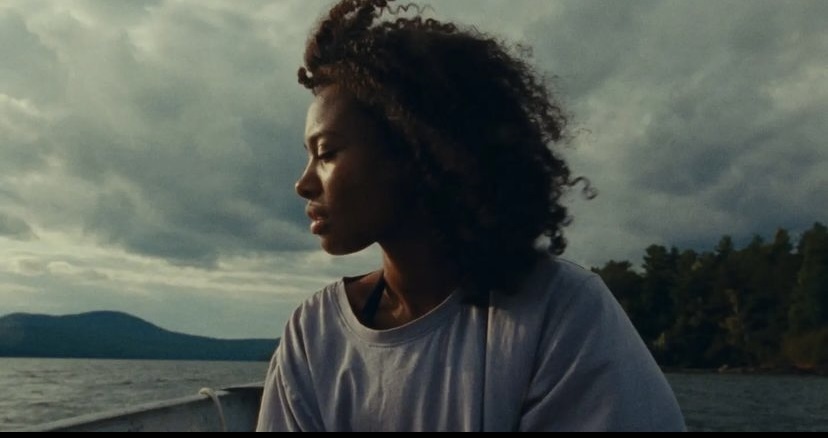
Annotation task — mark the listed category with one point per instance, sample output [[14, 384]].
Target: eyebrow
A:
[[315, 137]]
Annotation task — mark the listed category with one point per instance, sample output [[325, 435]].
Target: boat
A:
[[231, 409]]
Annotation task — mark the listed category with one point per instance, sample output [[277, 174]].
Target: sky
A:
[[149, 148]]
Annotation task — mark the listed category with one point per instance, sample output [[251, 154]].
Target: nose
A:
[[308, 185]]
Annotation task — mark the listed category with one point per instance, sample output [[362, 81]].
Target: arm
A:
[[276, 414], [593, 371], [284, 408]]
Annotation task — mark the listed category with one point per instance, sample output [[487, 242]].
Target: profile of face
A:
[[351, 185]]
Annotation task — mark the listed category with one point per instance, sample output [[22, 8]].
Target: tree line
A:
[[764, 306]]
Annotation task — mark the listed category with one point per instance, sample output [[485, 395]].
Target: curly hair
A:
[[472, 123]]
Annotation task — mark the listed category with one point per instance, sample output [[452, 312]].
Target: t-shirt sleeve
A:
[[285, 408], [594, 373]]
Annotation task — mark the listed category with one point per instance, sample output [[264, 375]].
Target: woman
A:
[[432, 141]]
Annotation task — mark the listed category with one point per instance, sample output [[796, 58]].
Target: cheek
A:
[[369, 200], [363, 191]]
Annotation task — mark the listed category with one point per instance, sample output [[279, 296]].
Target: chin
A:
[[338, 247]]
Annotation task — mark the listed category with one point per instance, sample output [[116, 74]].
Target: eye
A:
[[327, 156]]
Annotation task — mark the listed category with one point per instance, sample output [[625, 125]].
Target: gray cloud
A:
[[35, 74], [9, 197], [143, 138], [173, 129], [705, 117], [184, 122], [15, 228]]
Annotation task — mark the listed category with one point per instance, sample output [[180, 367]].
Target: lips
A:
[[316, 213], [319, 219]]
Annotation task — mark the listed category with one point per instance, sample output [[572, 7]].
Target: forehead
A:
[[333, 109]]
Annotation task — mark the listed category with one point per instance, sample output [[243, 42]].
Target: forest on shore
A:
[[761, 307]]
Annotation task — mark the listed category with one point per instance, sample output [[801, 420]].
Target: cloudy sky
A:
[[148, 148]]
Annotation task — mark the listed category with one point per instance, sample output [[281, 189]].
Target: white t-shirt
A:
[[559, 355]]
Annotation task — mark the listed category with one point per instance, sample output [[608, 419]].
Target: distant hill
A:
[[115, 335]]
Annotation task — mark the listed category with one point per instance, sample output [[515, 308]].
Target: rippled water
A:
[[725, 402], [35, 391]]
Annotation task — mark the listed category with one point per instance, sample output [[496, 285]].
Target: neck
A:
[[418, 277]]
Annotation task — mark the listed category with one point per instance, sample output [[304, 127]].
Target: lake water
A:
[[35, 391]]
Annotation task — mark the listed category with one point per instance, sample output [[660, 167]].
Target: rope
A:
[[210, 392]]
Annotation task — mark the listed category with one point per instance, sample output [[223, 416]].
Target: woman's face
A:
[[351, 186]]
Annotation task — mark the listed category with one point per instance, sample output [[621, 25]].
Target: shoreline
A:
[[787, 371]]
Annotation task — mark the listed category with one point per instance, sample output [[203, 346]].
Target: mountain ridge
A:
[[117, 335]]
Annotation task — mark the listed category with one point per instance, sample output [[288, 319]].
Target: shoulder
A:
[[563, 305], [573, 286], [585, 325], [313, 317], [289, 391], [558, 300], [567, 277], [593, 369], [316, 309], [311, 321], [574, 299], [555, 283], [558, 275]]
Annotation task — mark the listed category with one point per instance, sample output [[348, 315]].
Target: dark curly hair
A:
[[470, 121]]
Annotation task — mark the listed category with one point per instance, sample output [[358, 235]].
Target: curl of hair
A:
[[472, 122]]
